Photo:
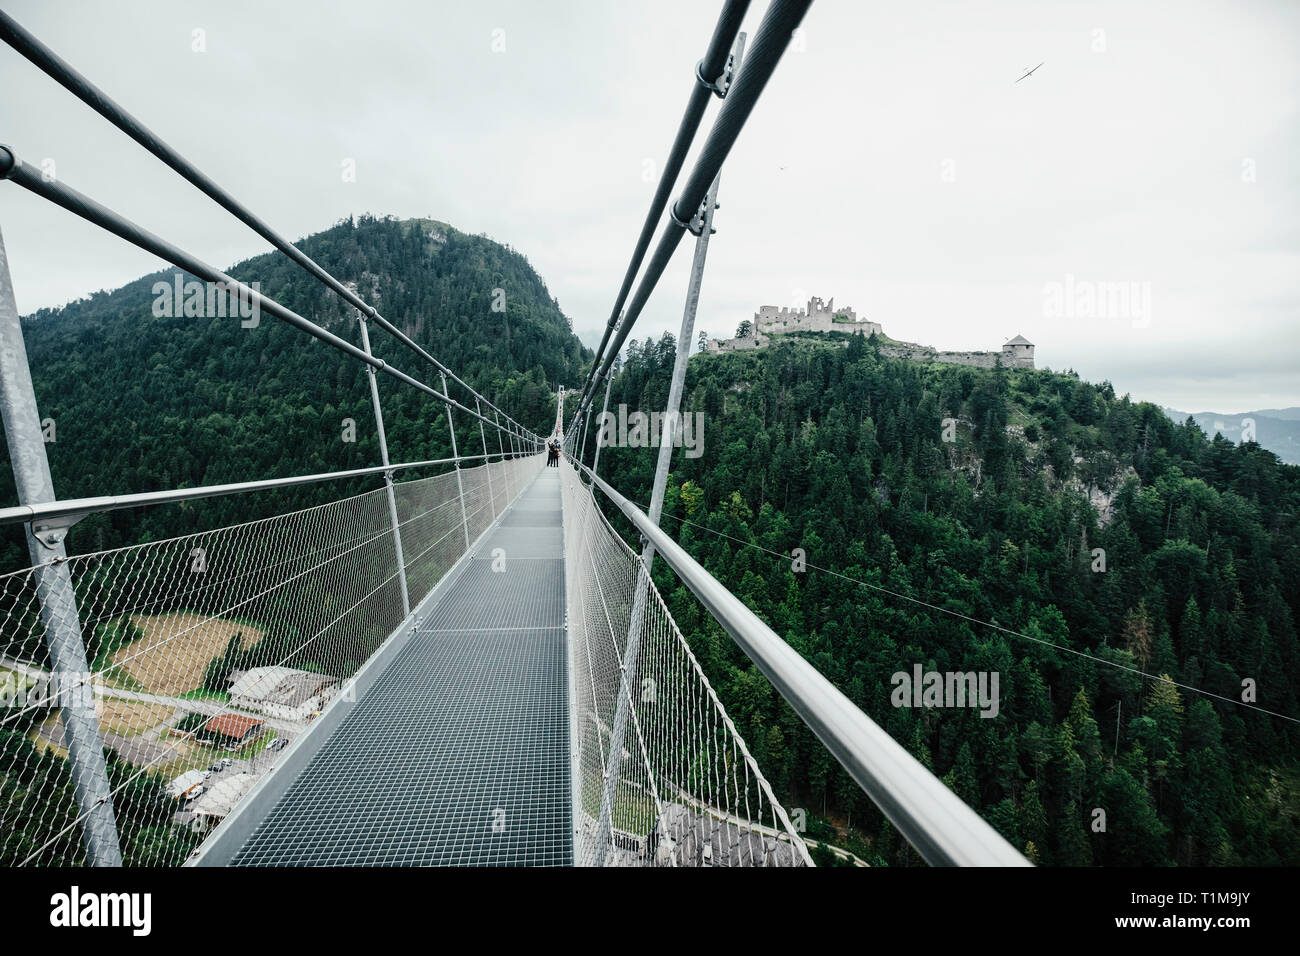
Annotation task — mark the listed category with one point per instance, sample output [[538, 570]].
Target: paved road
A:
[[195, 705]]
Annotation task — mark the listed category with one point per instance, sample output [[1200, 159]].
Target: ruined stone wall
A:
[[924, 353], [974, 359], [914, 353], [737, 345]]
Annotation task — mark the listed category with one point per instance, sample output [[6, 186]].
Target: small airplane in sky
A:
[[1031, 72]]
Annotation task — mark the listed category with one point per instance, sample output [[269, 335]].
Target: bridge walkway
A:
[[456, 748]]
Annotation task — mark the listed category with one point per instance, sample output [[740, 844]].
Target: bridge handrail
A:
[[933, 819], [82, 507]]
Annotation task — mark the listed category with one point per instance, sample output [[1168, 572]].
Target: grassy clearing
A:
[[13, 684], [175, 650], [202, 693], [131, 717], [633, 810], [125, 718]]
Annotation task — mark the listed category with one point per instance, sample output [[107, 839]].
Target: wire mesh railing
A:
[[208, 653], [687, 790], [940, 826]]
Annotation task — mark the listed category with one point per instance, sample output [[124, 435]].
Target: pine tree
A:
[[1072, 847], [1033, 818], [1138, 635], [961, 778]]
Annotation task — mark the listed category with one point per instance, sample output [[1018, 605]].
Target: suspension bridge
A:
[[469, 664]]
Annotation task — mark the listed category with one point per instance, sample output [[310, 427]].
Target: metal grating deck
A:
[[458, 752]]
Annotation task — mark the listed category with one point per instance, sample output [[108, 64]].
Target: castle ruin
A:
[[822, 316]]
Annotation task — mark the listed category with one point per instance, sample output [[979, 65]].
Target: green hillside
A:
[[143, 403], [977, 554]]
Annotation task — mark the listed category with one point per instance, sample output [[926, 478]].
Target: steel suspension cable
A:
[[707, 73], [67, 76], [13, 168], [770, 42]]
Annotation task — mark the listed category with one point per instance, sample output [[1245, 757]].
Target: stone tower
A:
[[1018, 353]]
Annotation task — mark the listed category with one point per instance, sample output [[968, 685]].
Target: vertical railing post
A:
[[460, 485], [487, 463], [631, 653], [388, 475], [54, 589], [576, 437], [496, 420], [507, 463], [609, 380], [586, 427]]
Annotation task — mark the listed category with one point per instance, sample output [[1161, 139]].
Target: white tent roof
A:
[[224, 794], [186, 781]]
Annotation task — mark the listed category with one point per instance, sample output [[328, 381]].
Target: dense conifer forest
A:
[[980, 553], [1022, 522], [143, 403]]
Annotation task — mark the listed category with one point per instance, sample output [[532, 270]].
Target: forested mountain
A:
[[141, 402], [842, 452], [1277, 429], [951, 518]]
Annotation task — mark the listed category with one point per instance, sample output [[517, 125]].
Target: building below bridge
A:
[[283, 692]]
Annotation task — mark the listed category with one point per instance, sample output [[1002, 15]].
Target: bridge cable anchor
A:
[[8, 160], [51, 531], [694, 225], [720, 85]]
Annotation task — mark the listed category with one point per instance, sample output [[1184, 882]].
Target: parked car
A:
[[226, 761], [276, 744], [206, 774], [215, 767], [191, 794]]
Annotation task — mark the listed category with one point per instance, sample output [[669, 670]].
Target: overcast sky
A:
[[893, 163]]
